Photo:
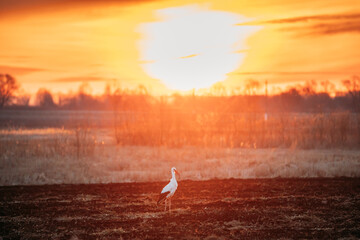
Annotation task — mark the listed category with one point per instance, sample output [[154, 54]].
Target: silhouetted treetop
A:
[[44, 98], [8, 86]]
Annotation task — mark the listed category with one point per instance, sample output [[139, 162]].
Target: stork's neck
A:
[[173, 175]]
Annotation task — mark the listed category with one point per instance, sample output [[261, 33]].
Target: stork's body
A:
[[169, 190]]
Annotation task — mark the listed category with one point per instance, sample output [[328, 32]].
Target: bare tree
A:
[[8, 87], [44, 98], [116, 100], [353, 87], [251, 87], [328, 87], [141, 90], [310, 88], [218, 89], [23, 100]]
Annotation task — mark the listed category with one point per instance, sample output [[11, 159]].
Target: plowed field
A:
[[214, 209]]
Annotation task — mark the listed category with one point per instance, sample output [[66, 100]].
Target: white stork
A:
[[169, 190]]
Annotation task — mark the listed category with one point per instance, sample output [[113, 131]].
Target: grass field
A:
[[211, 129], [54, 156]]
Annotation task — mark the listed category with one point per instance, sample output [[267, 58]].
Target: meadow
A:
[[85, 149]]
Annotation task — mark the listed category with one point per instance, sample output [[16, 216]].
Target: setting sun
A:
[[191, 47]]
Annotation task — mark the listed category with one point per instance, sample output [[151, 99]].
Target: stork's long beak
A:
[[176, 172]]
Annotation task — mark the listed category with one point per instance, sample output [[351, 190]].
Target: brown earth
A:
[[214, 209]]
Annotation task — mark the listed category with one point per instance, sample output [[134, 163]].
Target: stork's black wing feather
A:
[[162, 197]]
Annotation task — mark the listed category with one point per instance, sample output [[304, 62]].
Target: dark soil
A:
[[215, 209]]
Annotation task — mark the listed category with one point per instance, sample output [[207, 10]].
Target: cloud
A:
[[305, 19], [18, 70], [316, 24], [189, 56], [334, 28], [289, 73], [34, 6], [80, 79], [354, 16]]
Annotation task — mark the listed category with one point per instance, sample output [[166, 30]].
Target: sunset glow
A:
[[177, 45]]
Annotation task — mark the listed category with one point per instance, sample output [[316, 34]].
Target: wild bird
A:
[[169, 190]]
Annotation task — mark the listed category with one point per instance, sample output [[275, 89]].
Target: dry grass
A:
[[165, 126], [84, 156], [40, 156], [242, 130]]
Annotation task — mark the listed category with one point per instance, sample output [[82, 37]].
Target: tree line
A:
[[300, 98]]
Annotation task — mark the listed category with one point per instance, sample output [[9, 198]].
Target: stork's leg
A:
[[165, 204], [170, 204]]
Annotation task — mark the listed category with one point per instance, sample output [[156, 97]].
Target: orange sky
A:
[[177, 44]]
